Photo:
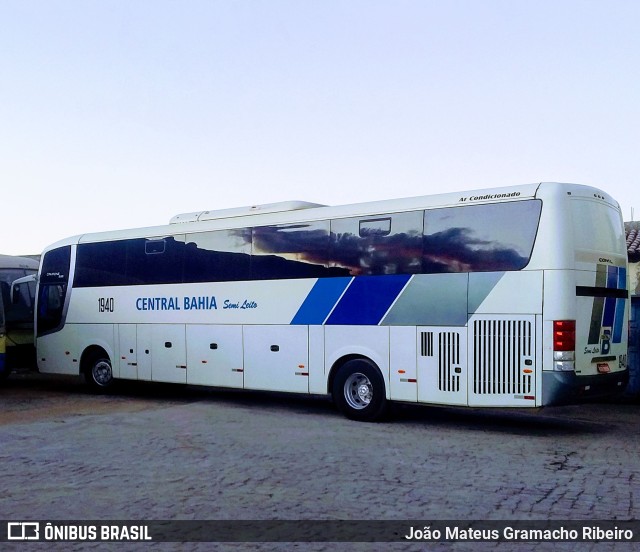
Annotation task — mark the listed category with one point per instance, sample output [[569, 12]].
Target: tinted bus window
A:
[[290, 251], [8, 275], [378, 245], [154, 260], [55, 265], [219, 256], [101, 264], [129, 262], [54, 278], [472, 238]]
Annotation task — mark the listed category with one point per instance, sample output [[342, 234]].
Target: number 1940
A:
[[105, 304]]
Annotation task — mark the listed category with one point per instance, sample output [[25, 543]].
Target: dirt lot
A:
[[168, 452], [29, 397]]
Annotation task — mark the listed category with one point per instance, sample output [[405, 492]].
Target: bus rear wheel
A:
[[99, 374], [359, 392]]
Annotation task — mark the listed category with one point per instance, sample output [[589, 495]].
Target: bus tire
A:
[[359, 391], [98, 372]]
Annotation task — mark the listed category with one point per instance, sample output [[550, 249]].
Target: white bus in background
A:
[[13, 267], [17, 312], [503, 297]]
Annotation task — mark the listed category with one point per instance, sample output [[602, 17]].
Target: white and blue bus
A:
[[504, 297]]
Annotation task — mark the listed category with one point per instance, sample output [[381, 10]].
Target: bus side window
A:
[[284, 251], [155, 260], [386, 244], [50, 306], [480, 238], [217, 256]]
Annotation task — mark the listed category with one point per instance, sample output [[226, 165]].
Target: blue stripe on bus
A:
[[610, 302], [368, 299], [321, 300], [620, 307]]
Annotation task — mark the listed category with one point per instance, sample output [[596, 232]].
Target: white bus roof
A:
[[298, 211], [244, 211], [11, 261]]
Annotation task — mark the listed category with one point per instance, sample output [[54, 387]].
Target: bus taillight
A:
[[564, 345]]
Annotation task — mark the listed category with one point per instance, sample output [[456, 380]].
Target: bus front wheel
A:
[[359, 392], [99, 373]]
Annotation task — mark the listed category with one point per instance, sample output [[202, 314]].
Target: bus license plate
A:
[[603, 368]]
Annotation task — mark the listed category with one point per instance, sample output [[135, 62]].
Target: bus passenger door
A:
[[442, 365], [127, 351], [168, 353], [276, 358], [214, 355]]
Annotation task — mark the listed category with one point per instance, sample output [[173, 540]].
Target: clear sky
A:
[[122, 113]]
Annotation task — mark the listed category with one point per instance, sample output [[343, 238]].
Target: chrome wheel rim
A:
[[358, 391], [101, 372]]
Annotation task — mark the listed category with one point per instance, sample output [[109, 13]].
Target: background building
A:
[[632, 230]]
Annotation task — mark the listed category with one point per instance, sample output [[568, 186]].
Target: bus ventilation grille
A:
[[426, 344], [448, 351], [499, 347], [449, 361]]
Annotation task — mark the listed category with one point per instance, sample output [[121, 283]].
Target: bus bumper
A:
[[567, 387]]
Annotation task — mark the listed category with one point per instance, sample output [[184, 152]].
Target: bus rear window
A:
[[480, 238], [597, 226]]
